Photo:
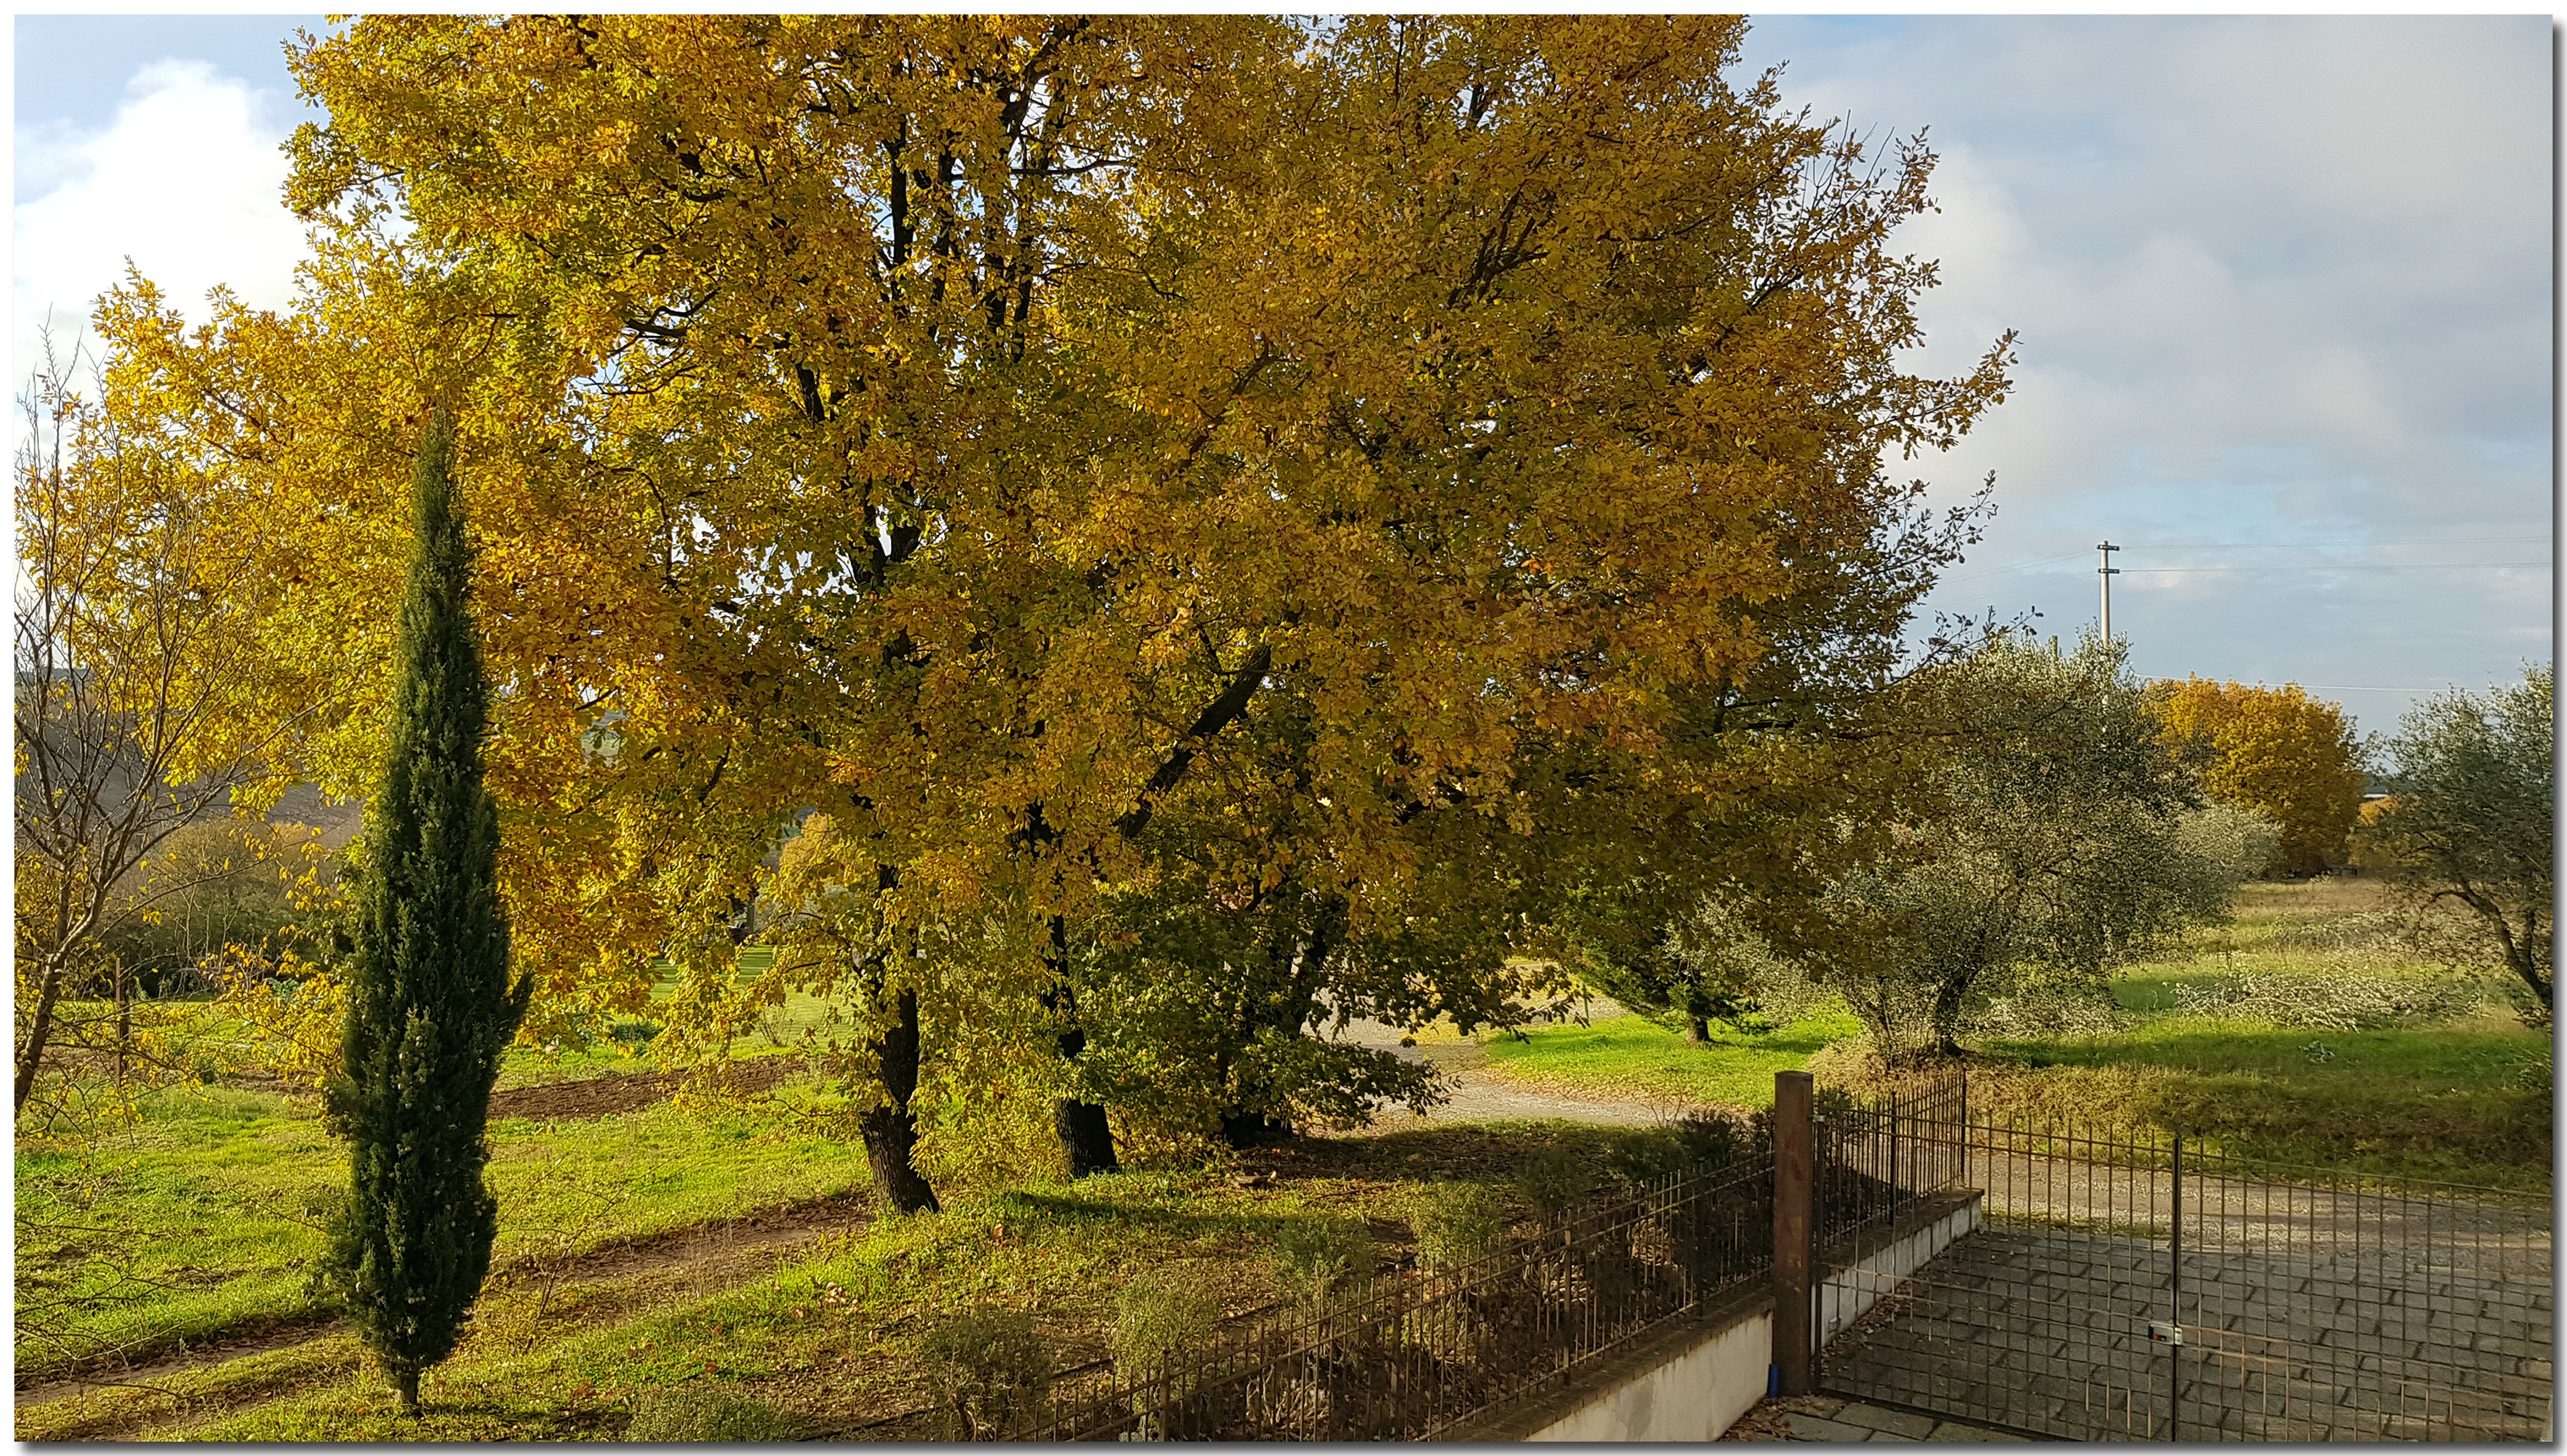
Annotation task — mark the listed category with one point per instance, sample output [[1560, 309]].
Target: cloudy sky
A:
[[2283, 287]]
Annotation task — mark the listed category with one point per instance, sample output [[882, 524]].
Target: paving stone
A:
[[1820, 1428], [1895, 1422], [1952, 1430]]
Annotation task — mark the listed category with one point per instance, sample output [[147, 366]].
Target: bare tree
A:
[[128, 714]]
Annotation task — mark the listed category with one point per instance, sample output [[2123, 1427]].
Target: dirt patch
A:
[[629, 1092], [765, 1229], [251, 1336]]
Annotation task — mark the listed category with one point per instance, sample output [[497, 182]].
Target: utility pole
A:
[[2107, 572]]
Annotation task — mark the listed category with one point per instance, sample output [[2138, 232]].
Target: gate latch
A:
[[2165, 1332]]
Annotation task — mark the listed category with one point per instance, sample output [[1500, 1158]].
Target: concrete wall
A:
[[1692, 1397], [1855, 1289], [1708, 1383]]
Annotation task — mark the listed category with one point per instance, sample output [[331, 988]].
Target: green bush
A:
[[1160, 1312], [1320, 1263], [1550, 1180], [990, 1369], [1457, 1222], [692, 1415], [1704, 1138]]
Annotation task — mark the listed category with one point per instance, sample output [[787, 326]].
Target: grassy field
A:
[[206, 1211], [1629, 1054], [700, 1246], [828, 1328], [2461, 1098]]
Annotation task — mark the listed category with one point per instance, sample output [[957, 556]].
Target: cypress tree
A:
[[429, 1004]]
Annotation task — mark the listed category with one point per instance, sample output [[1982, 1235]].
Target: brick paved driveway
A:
[[2049, 1329], [1834, 1419]]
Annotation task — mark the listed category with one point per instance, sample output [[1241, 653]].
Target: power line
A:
[[2343, 566], [2028, 564], [2320, 545]]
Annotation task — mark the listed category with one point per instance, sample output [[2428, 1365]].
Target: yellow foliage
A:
[[923, 420], [2276, 750]]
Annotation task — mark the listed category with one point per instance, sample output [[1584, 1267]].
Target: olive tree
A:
[[2047, 834], [2468, 821]]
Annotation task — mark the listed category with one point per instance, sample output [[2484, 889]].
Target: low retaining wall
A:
[[1690, 1381], [1855, 1285]]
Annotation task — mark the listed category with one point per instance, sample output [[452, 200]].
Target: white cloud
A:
[[186, 180], [2278, 280]]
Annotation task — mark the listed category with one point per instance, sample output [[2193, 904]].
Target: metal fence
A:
[[2126, 1285], [1875, 1160], [1424, 1351]]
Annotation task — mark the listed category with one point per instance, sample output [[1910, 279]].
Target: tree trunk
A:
[[30, 1052], [2517, 948], [1697, 1028], [124, 1021], [1086, 1138], [1946, 1018], [1241, 1131], [891, 1130], [406, 1380]]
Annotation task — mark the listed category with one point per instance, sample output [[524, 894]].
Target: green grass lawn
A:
[[209, 1203], [2459, 1101], [1632, 1055], [831, 1333]]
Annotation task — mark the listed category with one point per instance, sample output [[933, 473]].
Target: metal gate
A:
[[2127, 1287]]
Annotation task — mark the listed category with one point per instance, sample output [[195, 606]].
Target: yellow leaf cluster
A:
[[2276, 750], [927, 420]]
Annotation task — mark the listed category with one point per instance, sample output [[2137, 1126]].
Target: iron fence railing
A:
[[2123, 1283], [2110, 1283], [1426, 1349], [1875, 1160]]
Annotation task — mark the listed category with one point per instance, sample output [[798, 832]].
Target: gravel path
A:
[[1480, 1094]]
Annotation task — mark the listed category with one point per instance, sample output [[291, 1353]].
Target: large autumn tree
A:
[[2276, 750], [973, 428]]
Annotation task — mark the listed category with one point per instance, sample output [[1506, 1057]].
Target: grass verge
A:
[[203, 1219], [830, 1332]]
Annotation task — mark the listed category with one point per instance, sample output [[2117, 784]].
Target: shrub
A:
[[1457, 1222], [1160, 1312], [1319, 1264], [1550, 1180], [991, 1369], [692, 1415], [1704, 1138]]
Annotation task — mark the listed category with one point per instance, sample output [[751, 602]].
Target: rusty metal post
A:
[[1795, 1171]]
